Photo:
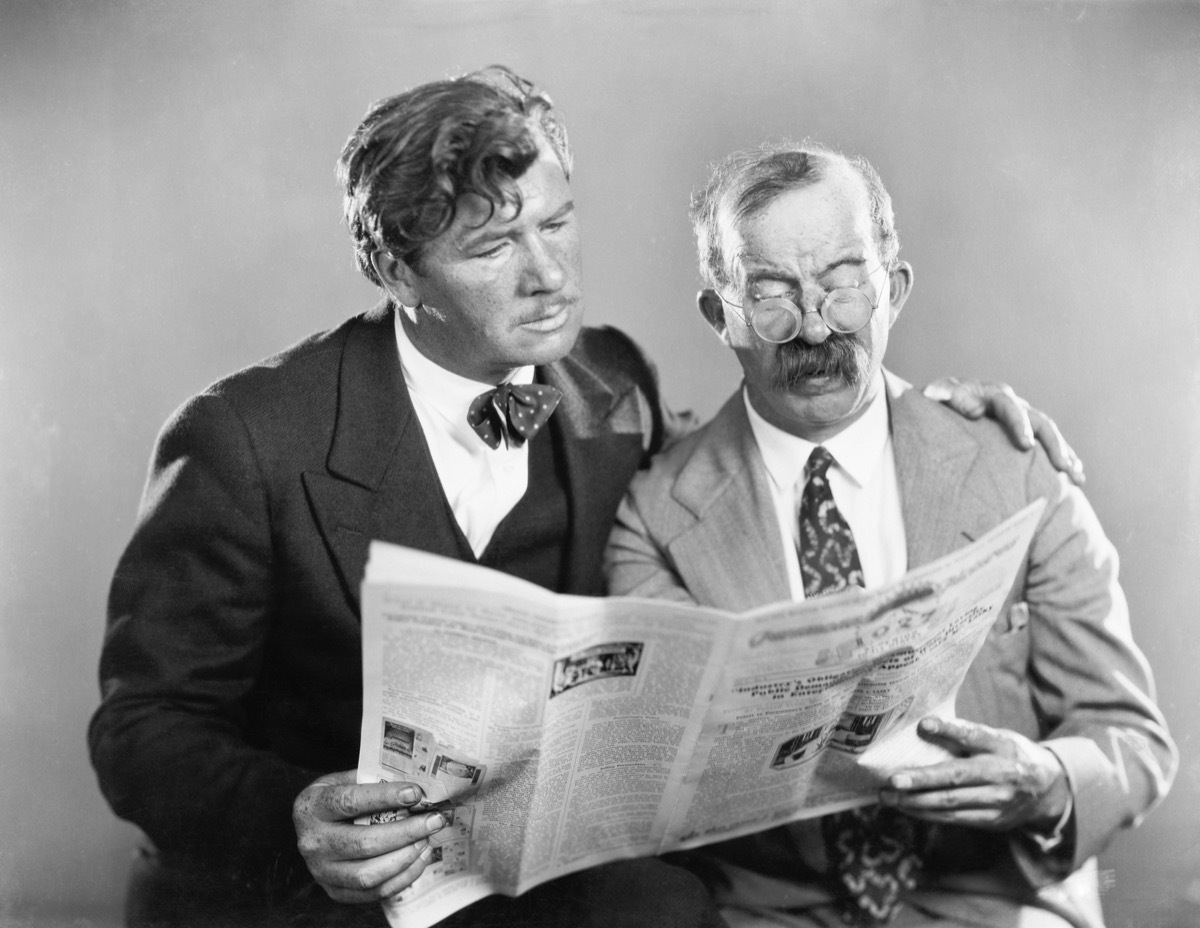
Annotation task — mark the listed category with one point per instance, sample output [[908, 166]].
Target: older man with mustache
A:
[[824, 471]]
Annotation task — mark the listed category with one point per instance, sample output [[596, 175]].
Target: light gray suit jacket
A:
[[1059, 666]]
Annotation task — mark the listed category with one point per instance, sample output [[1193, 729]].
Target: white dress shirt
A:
[[482, 484], [863, 483]]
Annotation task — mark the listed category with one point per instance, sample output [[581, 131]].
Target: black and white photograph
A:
[[721, 303]]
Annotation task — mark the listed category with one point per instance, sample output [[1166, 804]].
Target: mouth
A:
[[552, 319]]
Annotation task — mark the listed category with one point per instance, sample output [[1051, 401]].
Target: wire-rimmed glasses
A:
[[777, 319]]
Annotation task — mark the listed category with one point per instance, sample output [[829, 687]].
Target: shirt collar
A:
[[447, 393], [857, 448]]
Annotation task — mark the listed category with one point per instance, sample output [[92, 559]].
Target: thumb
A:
[[967, 738]]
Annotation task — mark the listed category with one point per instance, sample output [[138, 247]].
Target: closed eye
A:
[[494, 252], [770, 288]]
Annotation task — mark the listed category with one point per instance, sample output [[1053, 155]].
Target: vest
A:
[[531, 541]]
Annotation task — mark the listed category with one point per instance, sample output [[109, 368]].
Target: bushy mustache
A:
[[838, 356]]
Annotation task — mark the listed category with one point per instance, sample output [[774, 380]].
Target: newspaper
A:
[[556, 733]]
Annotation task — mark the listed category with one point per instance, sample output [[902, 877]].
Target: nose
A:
[[813, 329], [544, 269]]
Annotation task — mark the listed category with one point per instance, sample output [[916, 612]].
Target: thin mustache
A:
[[551, 308]]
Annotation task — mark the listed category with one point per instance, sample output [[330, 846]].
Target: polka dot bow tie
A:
[[512, 413]]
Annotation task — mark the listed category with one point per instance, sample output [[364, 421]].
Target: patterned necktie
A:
[[871, 850], [512, 413], [828, 555]]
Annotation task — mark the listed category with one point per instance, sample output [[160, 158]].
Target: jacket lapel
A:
[[381, 482], [934, 454], [731, 556], [602, 434]]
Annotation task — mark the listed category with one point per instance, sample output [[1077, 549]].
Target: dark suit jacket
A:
[[1060, 666], [231, 668]]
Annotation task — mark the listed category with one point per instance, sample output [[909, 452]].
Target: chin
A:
[[553, 346]]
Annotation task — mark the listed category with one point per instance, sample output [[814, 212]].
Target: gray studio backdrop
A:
[[168, 213]]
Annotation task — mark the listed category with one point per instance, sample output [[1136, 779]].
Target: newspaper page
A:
[[556, 733]]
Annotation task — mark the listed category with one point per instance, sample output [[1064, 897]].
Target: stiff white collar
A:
[[857, 449]]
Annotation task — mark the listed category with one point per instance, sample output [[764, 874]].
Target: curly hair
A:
[[744, 182], [413, 155]]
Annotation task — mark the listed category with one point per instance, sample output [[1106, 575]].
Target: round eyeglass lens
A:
[[846, 310], [776, 320]]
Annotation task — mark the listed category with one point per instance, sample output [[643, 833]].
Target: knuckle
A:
[[341, 804], [307, 844]]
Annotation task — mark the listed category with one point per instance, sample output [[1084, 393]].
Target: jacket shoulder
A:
[[937, 423], [287, 401], [614, 356], [306, 362]]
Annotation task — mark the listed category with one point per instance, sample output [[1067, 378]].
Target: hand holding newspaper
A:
[[557, 733]]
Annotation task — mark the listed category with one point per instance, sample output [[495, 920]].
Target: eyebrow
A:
[[769, 271], [855, 260], [485, 235], [567, 207]]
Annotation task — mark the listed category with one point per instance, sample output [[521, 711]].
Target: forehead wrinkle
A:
[[743, 256], [504, 220]]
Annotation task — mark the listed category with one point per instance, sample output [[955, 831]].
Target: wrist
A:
[[1048, 829]]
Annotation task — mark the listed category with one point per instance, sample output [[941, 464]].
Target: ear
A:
[[712, 308], [399, 279], [900, 284]]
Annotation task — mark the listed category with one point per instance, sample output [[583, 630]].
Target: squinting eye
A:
[[493, 252]]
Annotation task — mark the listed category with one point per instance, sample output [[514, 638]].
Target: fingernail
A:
[[930, 726], [433, 822], [408, 795], [427, 853], [902, 781]]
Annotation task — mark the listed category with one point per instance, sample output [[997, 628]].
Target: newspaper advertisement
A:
[[556, 732]]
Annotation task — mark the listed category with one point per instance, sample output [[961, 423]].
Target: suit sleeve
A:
[[635, 563], [189, 614], [1092, 688]]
